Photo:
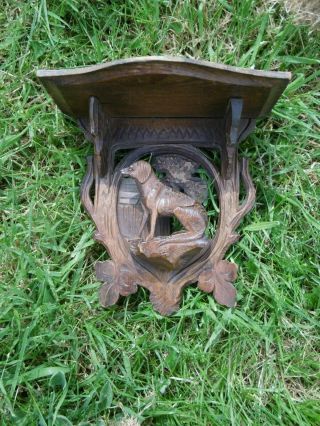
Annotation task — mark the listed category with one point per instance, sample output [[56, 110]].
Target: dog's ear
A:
[[144, 171]]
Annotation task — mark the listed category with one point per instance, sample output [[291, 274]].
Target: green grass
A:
[[66, 361]]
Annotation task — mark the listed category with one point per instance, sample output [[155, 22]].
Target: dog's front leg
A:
[[154, 215], [144, 218]]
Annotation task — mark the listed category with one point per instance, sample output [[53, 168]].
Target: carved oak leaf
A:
[[219, 281], [105, 271], [116, 282], [108, 294], [109, 291], [164, 303], [126, 281]]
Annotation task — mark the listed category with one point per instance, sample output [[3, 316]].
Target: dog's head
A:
[[140, 170]]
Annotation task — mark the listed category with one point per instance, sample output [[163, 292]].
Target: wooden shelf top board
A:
[[163, 87]]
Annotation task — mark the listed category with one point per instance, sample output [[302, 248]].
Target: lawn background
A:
[[66, 361]]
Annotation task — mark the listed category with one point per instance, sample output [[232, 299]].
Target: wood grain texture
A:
[[164, 110], [163, 87], [164, 264]]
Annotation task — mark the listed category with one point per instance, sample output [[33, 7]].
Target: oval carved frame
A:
[[124, 273]]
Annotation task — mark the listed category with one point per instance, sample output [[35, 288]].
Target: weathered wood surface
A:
[[163, 110], [163, 87], [165, 264]]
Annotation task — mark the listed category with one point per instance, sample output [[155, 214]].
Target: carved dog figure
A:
[[162, 200]]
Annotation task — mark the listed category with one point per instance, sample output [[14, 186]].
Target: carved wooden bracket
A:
[[148, 120]]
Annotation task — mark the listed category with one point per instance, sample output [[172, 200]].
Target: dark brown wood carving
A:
[[149, 120]]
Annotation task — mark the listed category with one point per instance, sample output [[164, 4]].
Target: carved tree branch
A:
[[248, 203], [248, 183], [86, 186], [220, 274], [231, 212]]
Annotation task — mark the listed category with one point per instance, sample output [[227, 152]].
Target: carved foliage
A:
[[218, 280], [117, 280], [166, 280], [180, 175], [122, 274]]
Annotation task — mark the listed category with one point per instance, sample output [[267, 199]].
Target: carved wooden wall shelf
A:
[[152, 122]]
